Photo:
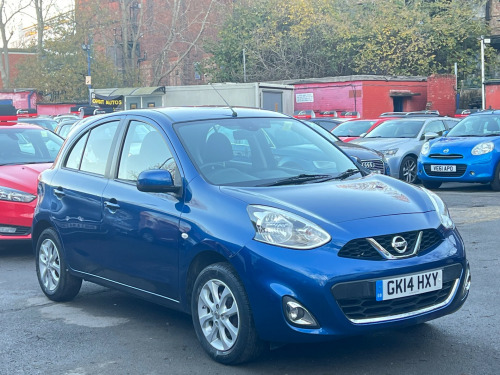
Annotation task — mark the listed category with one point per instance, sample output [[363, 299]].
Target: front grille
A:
[[375, 165], [19, 231], [357, 299], [446, 156], [361, 248], [461, 168], [368, 307]]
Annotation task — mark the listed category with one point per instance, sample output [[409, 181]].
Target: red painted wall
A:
[[492, 91], [330, 96], [377, 96], [54, 109], [441, 94], [373, 97]]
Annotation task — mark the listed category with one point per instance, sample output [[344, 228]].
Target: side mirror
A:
[[362, 135], [445, 133], [156, 181], [430, 135]]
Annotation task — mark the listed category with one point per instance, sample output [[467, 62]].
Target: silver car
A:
[[401, 139]]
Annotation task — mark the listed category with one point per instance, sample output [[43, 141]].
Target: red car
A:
[[353, 129], [25, 151]]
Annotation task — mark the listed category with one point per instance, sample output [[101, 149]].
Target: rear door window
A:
[[91, 152]]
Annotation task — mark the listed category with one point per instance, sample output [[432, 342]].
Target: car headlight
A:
[[425, 148], [390, 152], [281, 228], [441, 209], [7, 194], [482, 148]]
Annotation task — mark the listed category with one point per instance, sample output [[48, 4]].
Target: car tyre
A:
[[431, 184], [495, 184], [222, 316], [408, 169], [51, 269]]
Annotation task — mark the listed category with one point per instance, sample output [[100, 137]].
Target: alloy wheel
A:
[[49, 264], [218, 315], [409, 169]]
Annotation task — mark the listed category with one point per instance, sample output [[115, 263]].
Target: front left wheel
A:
[[53, 274], [408, 169], [222, 316]]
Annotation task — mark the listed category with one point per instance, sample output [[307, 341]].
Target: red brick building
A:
[[16, 57], [163, 45], [373, 95]]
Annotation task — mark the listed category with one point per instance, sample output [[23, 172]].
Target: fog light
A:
[[472, 173], [297, 314], [7, 230]]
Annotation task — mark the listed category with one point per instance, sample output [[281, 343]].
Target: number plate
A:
[[409, 285], [443, 168]]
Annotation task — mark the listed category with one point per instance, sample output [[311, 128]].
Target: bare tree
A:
[[7, 13], [131, 24], [180, 32], [42, 10]]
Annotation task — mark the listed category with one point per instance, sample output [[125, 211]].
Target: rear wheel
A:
[[408, 169], [495, 184], [53, 274], [431, 184], [222, 316]]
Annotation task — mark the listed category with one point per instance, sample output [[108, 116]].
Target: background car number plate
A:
[[443, 168], [409, 285]]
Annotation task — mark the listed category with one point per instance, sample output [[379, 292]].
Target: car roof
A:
[[486, 112], [19, 125], [182, 114]]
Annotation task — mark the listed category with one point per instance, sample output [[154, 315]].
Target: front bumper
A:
[[15, 220], [328, 286], [472, 169]]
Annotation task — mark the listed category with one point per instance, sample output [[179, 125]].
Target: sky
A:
[[28, 18]]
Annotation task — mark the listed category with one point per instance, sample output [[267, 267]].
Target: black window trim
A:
[[84, 132], [127, 120]]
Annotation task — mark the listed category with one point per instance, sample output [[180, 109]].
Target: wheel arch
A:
[[199, 262], [37, 230]]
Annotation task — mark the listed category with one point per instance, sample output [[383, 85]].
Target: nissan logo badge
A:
[[399, 244]]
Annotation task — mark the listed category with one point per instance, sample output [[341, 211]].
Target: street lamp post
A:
[[483, 89], [88, 79]]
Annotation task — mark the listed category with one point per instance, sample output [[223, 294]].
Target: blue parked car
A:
[[470, 152], [162, 204]]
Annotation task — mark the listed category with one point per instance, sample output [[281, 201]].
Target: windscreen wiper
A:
[[301, 179], [347, 173]]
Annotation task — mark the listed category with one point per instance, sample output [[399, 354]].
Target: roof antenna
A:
[[231, 108]]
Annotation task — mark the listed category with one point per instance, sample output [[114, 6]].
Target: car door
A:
[[77, 187], [142, 229]]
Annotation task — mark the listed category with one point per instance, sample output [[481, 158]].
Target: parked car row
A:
[[263, 227]]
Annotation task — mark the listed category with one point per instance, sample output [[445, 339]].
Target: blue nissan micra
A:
[[469, 153], [198, 210]]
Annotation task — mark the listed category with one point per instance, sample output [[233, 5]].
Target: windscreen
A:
[[260, 151]]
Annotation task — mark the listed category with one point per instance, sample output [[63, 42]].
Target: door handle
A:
[[111, 206], [59, 193]]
